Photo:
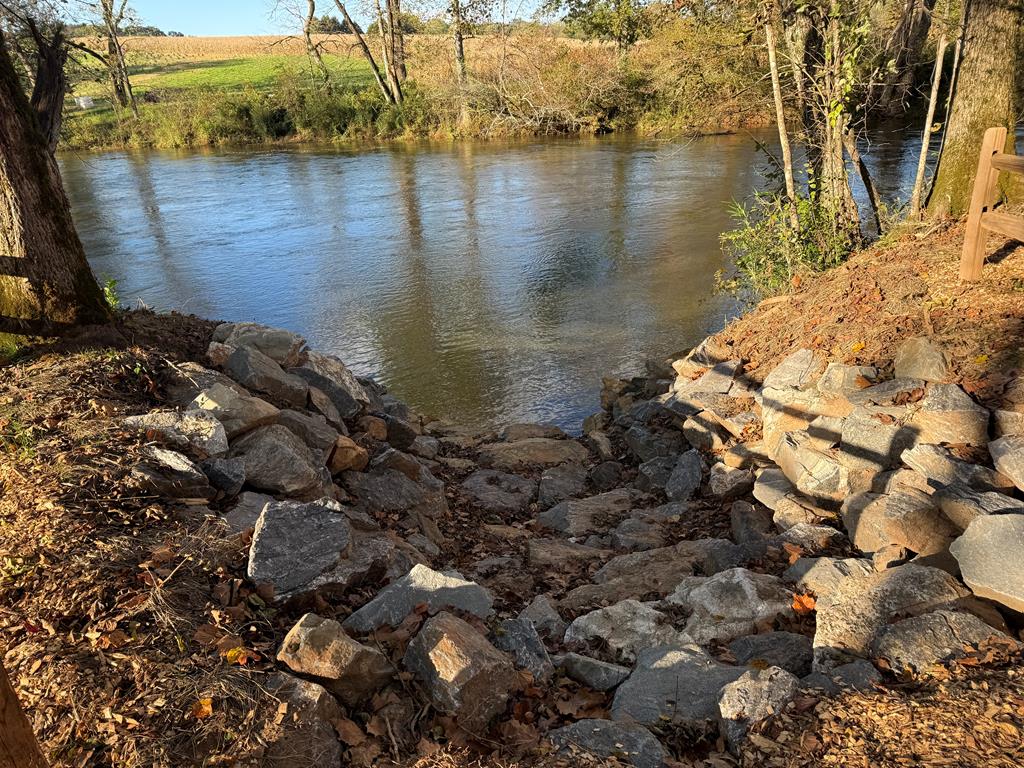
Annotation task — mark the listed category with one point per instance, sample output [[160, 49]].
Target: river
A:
[[485, 282]]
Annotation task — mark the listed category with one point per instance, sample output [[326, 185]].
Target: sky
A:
[[211, 17]]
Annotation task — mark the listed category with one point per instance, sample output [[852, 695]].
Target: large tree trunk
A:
[[780, 119], [45, 280], [984, 96], [18, 747], [367, 54], [889, 93], [50, 84]]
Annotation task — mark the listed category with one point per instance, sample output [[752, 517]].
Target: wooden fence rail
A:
[[981, 218]]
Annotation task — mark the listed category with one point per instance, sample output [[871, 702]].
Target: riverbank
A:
[[222, 547]]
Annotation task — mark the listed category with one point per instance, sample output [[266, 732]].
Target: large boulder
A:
[[962, 505], [822, 575], [519, 639], [818, 475], [257, 372], [626, 743], [293, 543], [922, 358], [561, 483], [311, 429], [1008, 457], [237, 412], [307, 735], [947, 414], [279, 462], [194, 431], [422, 585], [874, 437], [799, 370], [499, 492], [991, 561], [686, 476], [531, 452], [791, 410], [788, 650], [318, 648], [906, 518], [595, 514], [283, 347], [462, 673], [753, 698], [646, 443], [625, 629], [169, 473], [673, 686], [388, 491], [942, 468], [330, 375]]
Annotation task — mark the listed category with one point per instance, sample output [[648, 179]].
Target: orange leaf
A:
[[803, 604], [202, 709], [795, 551]]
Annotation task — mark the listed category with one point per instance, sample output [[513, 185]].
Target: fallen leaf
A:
[[349, 732], [202, 709], [803, 604]]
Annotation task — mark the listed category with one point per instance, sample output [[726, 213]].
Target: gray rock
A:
[[561, 483], [1008, 457], [596, 675], [989, 554], [401, 434], [799, 370], [890, 556], [425, 446], [238, 413], [907, 518], [749, 522], [703, 432], [725, 483], [685, 478], [600, 444], [753, 698], [314, 431], [595, 514], [1007, 423], [257, 372], [169, 473], [499, 492], [792, 410], [596, 422], [371, 556], [227, 475], [947, 414], [914, 646], [818, 475], [462, 673], [628, 744], [246, 511], [898, 391], [875, 437], [858, 675], [635, 534], [625, 629], [790, 651], [771, 486], [519, 639], [293, 543], [544, 616], [826, 431], [812, 539], [822, 575], [514, 432], [318, 648], [942, 468], [283, 347], [390, 491], [850, 618], [532, 452], [605, 476], [334, 379], [277, 461], [962, 505], [653, 475], [307, 736], [421, 585], [186, 380], [646, 444], [672, 512], [673, 685], [839, 379], [718, 378], [194, 431], [794, 510], [730, 604], [922, 358]]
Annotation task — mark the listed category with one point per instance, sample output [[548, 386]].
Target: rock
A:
[[372, 556], [499, 492], [706, 354], [672, 512], [793, 510], [237, 413], [217, 354], [816, 474], [462, 673], [330, 375], [646, 444], [532, 452], [596, 422], [822, 575], [293, 543], [685, 478], [558, 553], [942, 468], [347, 455], [421, 585], [277, 461], [259, 373], [730, 604], [746, 455], [1008, 457], [947, 414], [889, 556], [596, 675], [515, 432], [811, 538], [634, 534], [791, 410], [628, 744], [169, 473], [914, 646], [227, 475], [800, 370], [703, 432], [850, 618], [751, 699], [519, 639], [749, 522], [922, 358], [605, 476], [391, 492], [900, 480], [193, 431], [318, 648], [725, 483], [875, 437], [595, 514], [322, 404], [624, 629], [787, 650], [908, 518], [962, 505], [989, 554], [314, 431], [283, 347], [188, 379], [839, 379], [401, 434], [423, 544], [826, 432], [653, 475], [601, 444], [895, 392], [373, 427], [858, 675], [771, 486], [672, 685], [1007, 423], [425, 447], [717, 379], [545, 618], [246, 511], [561, 483], [307, 735]]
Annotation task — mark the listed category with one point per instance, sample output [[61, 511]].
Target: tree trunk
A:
[[903, 48], [50, 86], [922, 159], [388, 52], [313, 50], [397, 39], [984, 97], [780, 119], [367, 54], [45, 281], [18, 747], [457, 34]]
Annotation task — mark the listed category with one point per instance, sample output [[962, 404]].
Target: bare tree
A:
[[313, 48], [780, 119], [378, 77], [889, 90]]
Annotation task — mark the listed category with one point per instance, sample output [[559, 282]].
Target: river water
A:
[[486, 282]]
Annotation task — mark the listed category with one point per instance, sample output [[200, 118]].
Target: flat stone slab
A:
[[172, 474], [799, 370], [422, 585], [625, 629], [531, 452], [547, 553], [628, 744], [499, 492], [514, 432], [822, 575], [560, 483], [962, 506], [991, 557], [238, 413], [942, 468], [194, 430], [595, 514]]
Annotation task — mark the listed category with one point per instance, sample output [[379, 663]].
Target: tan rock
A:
[[347, 455]]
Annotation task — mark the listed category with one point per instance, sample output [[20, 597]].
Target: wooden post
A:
[[18, 747], [982, 198]]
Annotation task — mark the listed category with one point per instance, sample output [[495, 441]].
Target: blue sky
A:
[[211, 17]]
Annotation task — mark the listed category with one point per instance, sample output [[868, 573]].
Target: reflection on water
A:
[[484, 282]]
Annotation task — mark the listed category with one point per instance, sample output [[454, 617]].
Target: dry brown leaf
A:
[[349, 732], [202, 709]]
